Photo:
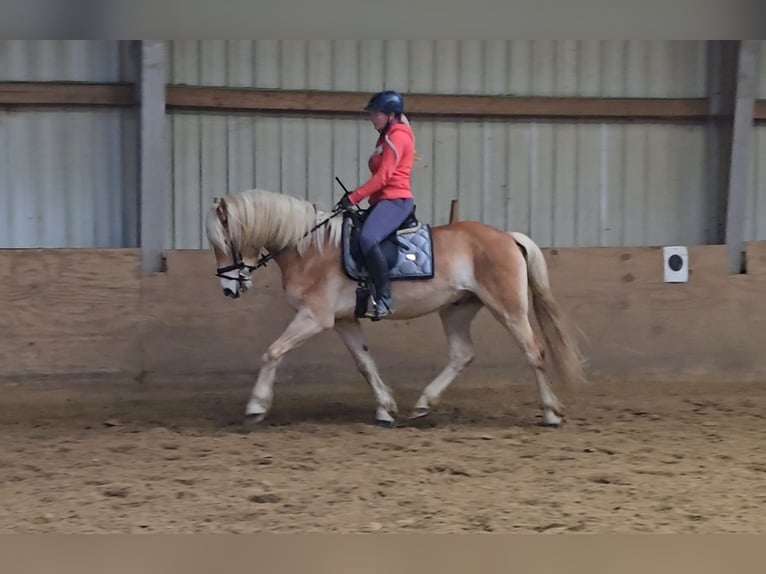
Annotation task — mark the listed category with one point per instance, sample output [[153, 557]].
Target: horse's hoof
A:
[[550, 425], [255, 419], [551, 420], [420, 412], [380, 423]]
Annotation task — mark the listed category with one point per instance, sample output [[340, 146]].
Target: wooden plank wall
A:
[[70, 312], [637, 326], [89, 312]]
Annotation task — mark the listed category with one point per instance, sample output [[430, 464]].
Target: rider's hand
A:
[[344, 204]]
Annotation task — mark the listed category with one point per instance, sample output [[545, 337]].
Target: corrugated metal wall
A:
[[755, 224], [520, 67], [67, 174], [566, 184], [61, 179], [62, 172], [59, 60]]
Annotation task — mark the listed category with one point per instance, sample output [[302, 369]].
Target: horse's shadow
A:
[[222, 411], [339, 415]]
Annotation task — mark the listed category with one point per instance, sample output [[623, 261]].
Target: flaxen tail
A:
[[564, 350]]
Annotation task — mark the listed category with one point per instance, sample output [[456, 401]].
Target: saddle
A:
[[408, 251]]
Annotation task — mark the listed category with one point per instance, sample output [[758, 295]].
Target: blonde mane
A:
[[260, 219]]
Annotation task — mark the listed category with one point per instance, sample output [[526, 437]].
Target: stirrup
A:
[[380, 309]]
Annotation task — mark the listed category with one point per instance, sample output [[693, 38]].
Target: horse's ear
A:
[[220, 208]]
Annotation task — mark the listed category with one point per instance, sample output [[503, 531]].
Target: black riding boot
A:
[[377, 267]]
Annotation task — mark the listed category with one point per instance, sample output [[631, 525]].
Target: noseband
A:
[[239, 265]]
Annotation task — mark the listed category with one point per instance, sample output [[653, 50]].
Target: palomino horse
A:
[[475, 266]]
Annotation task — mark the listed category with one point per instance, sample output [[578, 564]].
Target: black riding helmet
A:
[[387, 102]]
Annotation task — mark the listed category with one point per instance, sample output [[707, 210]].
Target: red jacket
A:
[[390, 164]]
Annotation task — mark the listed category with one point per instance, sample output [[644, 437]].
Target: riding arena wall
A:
[[603, 155], [92, 313]]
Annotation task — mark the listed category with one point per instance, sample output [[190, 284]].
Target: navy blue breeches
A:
[[384, 219]]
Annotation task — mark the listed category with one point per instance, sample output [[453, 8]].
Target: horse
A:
[[475, 266]]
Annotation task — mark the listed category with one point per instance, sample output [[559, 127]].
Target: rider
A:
[[388, 189]]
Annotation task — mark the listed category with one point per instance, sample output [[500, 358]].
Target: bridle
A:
[[238, 263]]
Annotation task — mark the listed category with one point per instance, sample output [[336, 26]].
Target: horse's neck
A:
[[291, 264], [295, 265]]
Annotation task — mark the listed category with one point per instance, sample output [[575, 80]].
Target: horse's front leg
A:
[[350, 332], [303, 326]]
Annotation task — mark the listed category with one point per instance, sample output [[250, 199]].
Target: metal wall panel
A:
[[522, 67], [61, 175], [565, 183], [59, 60], [762, 71], [755, 219], [63, 172]]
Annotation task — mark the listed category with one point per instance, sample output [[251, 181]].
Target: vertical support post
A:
[[739, 162], [151, 89], [721, 74], [453, 211], [130, 63]]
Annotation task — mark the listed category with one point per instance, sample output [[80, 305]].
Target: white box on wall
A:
[[676, 264]]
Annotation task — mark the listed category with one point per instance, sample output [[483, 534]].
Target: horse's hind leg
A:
[[353, 337], [513, 315], [535, 355], [456, 320]]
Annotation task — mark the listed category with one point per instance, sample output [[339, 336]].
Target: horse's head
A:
[[233, 265]]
